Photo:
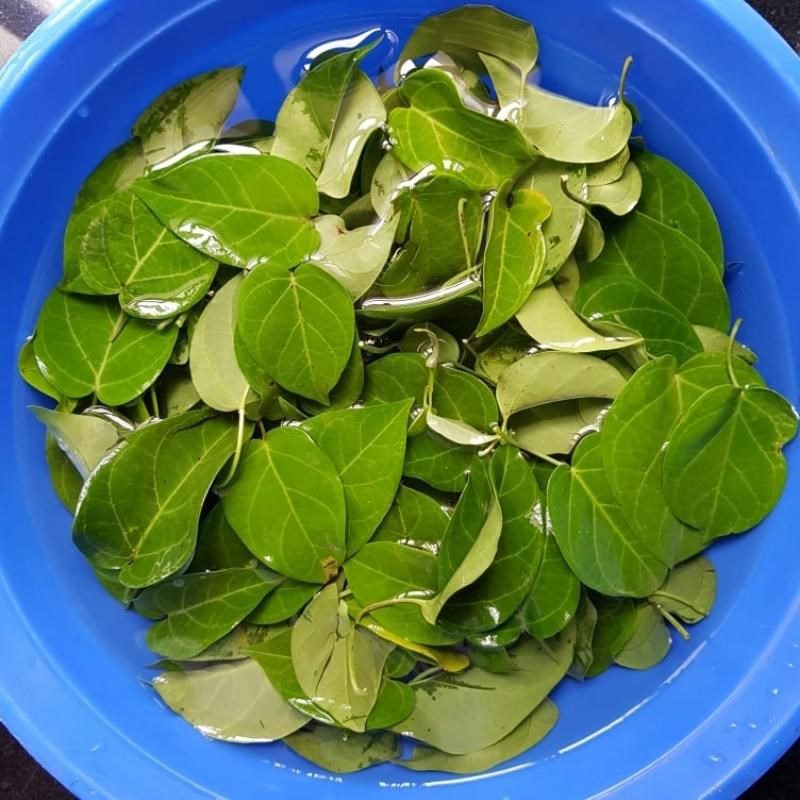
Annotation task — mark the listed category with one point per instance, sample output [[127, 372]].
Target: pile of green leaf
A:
[[394, 413]]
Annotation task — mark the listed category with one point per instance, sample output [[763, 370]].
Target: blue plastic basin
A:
[[719, 93]]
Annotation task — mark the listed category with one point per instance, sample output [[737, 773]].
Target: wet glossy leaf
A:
[[191, 112], [382, 571], [530, 731], [597, 542], [349, 387], [689, 590], [341, 751], [212, 357], [66, 480], [498, 592], [445, 225], [218, 546], [486, 706], [514, 256], [616, 622], [200, 609], [543, 378], [29, 372], [723, 467], [608, 171], [559, 183], [385, 184], [116, 171], [236, 208], [547, 317], [298, 327], [620, 196], [417, 339], [81, 350], [506, 635], [124, 250], [233, 702], [367, 447], [491, 660], [395, 702], [558, 127], [469, 544], [629, 302], [356, 257], [465, 32], [503, 349], [283, 602], [670, 263], [236, 645], [437, 129], [649, 643], [554, 595], [671, 197], [287, 505], [85, 439], [139, 510], [400, 663], [555, 428]]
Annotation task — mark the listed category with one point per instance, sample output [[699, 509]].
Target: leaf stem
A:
[[237, 453], [674, 622], [731, 343], [462, 228], [623, 78], [426, 675], [392, 601], [154, 402]]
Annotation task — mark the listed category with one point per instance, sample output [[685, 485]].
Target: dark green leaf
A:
[[689, 591], [500, 638], [140, 509], [65, 478], [350, 386], [367, 447], [236, 208], [31, 374], [616, 621], [497, 660], [200, 609], [283, 602], [723, 467], [597, 542], [287, 505], [649, 643], [88, 345], [218, 546], [438, 130], [305, 336], [399, 663], [395, 702], [585, 624]]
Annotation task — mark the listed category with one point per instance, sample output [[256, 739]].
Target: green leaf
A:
[[200, 609], [287, 505], [367, 447], [458, 432], [29, 372], [530, 731], [465, 32], [628, 302], [237, 208], [597, 542], [671, 264], [190, 112], [555, 428], [723, 467], [140, 509], [274, 656], [81, 350], [592, 238], [341, 751], [486, 706], [395, 377], [176, 391], [84, 438], [632, 444], [218, 546], [585, 624], [608, 171], [547, 317], [212, 355], [551, 377], [384, 187], [708, 370], [502, 349], [438, 130], [360, 114], [499, 591], [383, 571], [500, 638], [620, 196], [514, 256], [469, 544], [123, 249], [554, 595], [649, 643], [355, 258], [66, 480], [305, 125], [233, 702], [337, 665], [689, 591], [298, 327], [445, 227], [563, 227], [558, 127], [415, 519], [616, 622], [283, 602], [234, 646], [394, 704], [715, 341], [400, 663], [671, 197], [494, 660], [122, 166], [418, 339], [349, 387]]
